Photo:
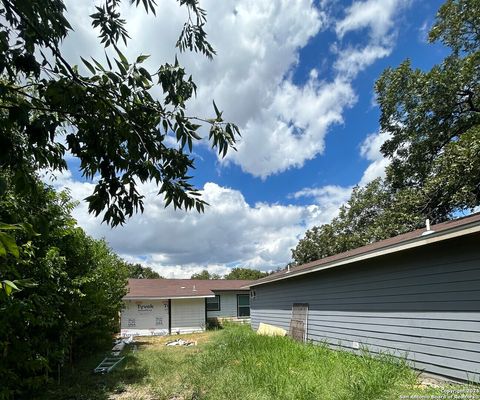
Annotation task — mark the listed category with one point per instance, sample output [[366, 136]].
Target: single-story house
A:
[[415, 295], [167, 306]]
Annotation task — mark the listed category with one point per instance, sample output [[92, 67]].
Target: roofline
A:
[[446, 234], [167, 297]]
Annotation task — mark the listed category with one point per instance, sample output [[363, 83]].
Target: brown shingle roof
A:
[[395, 244], [171, 288]]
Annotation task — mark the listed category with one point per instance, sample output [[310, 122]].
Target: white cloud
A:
[[370, 150], [230, 232], [329, 198], [423, 31], [376, 15], [179, 271], [292, 128], [354, 59], [283, 123]]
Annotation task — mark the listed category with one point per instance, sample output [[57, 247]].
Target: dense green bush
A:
[[73, 306]]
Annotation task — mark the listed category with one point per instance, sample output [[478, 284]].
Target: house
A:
[[166, 306], [416, 295]]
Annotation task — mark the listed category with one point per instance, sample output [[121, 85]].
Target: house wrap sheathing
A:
[[169, 306]]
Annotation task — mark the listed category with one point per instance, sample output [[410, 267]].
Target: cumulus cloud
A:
[[370, 150], [292, 128], [289, 128], [354, 59], [329, 198], [283, 123], [378, 18], [230, 232], [375, 15]]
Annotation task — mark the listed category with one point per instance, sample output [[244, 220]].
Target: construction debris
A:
[[270, 330], [181, 342], [117, 349]]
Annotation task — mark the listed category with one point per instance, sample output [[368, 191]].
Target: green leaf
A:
[[142, 58], [89, 66], [121, 67], [219, 114], [25, 283], [122, 57], [9, 287], [8, 244]]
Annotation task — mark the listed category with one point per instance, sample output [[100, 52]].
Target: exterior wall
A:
[[147, 317], [422, 303], [228, 305], [188, 315]]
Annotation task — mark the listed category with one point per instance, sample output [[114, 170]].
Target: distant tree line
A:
[[235, 273], [138, 271]]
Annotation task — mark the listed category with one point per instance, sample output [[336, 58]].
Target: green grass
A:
[[235, 363]]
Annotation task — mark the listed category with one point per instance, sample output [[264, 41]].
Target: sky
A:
[[297, 77]]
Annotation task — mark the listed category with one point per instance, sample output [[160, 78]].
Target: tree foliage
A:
[[245, 273], [73, 306], [235, 273], [106, 111], [372, 213], [434, 117], [204, 274], [138, 271]]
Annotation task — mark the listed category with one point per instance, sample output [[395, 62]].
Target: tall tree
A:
[[111, 121], [205, 275], [138, 271], [245, 273], [434, 117], [73, 307], [372, 213]]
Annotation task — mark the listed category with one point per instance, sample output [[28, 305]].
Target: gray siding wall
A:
[[228, 304], [423, 304], [188, 315]]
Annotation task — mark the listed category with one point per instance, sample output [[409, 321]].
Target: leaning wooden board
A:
[[298, 323]]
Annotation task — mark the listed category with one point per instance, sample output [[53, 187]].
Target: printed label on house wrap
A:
[[145, 307]]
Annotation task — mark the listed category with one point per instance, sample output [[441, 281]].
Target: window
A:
[[213, 303], [243, 305]]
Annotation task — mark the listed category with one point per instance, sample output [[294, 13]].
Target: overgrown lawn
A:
[[235, 363]]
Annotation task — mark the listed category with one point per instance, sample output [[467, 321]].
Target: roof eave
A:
[[167, 297], [406, 245]]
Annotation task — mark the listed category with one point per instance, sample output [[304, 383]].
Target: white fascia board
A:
[[410, 244], [167, 298]]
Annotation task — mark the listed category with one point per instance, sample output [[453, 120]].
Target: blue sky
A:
[[298, 78], [341, 163]]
